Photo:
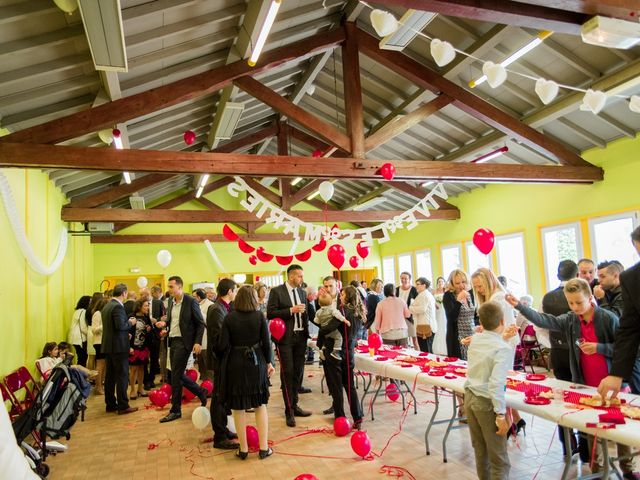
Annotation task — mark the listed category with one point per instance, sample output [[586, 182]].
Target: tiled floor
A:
[[108, 446]]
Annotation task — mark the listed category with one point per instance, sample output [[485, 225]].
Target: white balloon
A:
[[383, 22], [496, 74], [106, 136], [164, 258], [326, 190], [594, 100], [142, 282], [67, 6], [442, 52], [547, 90], [201, 418], [634, 104]]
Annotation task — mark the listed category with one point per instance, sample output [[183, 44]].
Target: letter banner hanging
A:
[[281, 220]]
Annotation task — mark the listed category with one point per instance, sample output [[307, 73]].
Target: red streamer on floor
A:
[[397, 472]]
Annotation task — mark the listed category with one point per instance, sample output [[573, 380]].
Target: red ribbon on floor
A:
[[398, 472]]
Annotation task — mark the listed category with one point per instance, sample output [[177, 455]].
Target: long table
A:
[[557, 411]]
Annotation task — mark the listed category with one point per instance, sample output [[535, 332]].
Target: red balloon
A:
[[189, 137], [284, 259], [306, 476], [361, 444], [257, 278], [187, 394], [354, 261], [253, 260], [303, 256], [229, 234], [362, 249], [116, 133], [208, 386], [166, 388], [336, 255], [158, 397], [253, 439], [341, 426], [388, 171], [320, 246], [374, 341], [392, 392], [484, 240], [277, 328], [316, 153], [192, 374], [244, 246]]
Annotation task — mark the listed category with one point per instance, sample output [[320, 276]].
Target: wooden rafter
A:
[[248, 140], [468, 102], [121, 110], [286, 107], [189, 238], [353, 91], [82, 158], [211, 216]]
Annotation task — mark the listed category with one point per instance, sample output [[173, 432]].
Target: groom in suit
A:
[[627, 340], [289, 303]]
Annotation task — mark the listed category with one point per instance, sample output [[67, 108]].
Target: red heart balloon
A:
[[284, 259], [263, 256], [316, 153], [303, 256], [253, 260], [374, 341], [189, 137], [320, 246], [354, 261], [362, 249], [484, 240], [277, 328], [306, 476], [336, 255], [361, 444], [228, 233], [244, 246], [388, 171]]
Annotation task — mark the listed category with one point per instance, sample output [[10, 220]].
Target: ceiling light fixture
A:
[[264, 32], [296, 181], [199, 191], [491, 155], [517, 55], [430, 182], [313, 195]]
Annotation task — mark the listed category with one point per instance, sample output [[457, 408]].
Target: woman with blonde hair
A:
[[460, 312]]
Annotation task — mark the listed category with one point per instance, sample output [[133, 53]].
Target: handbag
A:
[[424, 331]]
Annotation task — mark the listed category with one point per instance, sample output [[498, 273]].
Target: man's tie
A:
[[297, 315]]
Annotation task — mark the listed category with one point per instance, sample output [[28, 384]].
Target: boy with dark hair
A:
[[489, 360]]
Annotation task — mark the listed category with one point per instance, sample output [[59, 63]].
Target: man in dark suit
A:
[[115, 346], [222, 436], [289, 303], [627, 341], [407, 293], [186, 328]]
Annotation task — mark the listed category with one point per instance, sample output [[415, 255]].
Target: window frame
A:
[[509, 236], [548, 282], [393, 260], [460, 256], [430, 269], [593, 221]]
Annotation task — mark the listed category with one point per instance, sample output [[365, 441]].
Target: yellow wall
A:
[[36, 308], [526, 208]]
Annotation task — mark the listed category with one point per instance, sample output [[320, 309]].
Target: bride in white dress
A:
[[440, 338]]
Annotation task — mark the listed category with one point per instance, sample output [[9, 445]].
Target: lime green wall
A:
[[37, 308], [526, 208]]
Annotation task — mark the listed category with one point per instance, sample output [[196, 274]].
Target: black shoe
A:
[[171, 417], [231, 435], [304, 390], [242, 455], [265, 453], [127, 410], [203, 397], [111, 409], [225, 445], [298, 412], [521, 425], [328, 411], [357, 424], [291, 421]]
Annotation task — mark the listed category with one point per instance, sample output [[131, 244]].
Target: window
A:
[[423, 265], [271, 280], [475, 258], [388, 270], [512, 262], [561, 242], [610, 238], [451, 259], [405, 263]]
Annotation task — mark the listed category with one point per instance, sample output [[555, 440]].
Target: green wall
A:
[[36, 308], [526, 208]]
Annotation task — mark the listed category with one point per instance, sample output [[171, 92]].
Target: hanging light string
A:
[[635, 99]]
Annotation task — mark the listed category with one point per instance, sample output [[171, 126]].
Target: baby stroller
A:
[[53, 413]]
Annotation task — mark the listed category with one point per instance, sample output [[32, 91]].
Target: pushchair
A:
[[55, 410]]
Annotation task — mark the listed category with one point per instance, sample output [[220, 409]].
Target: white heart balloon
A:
[[326, 190], [594, 100], [547, 90], [634, 103], [442, 52], [383, 22], [164, 258], [496, 73], [142, 282]]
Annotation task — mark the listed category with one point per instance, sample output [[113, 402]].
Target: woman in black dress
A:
[[339, 373], [460, 311], [246, 367]]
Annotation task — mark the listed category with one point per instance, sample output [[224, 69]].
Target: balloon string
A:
[[283, 378], [398, 472]]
